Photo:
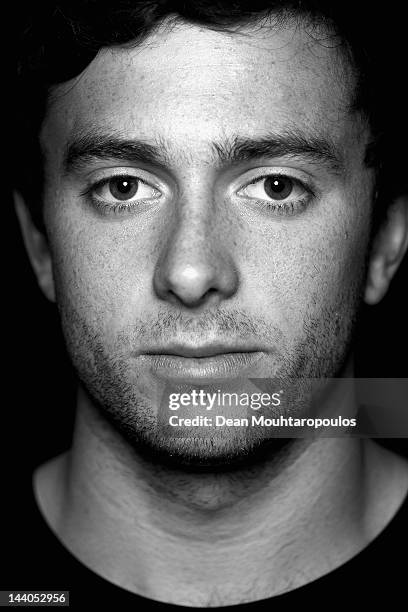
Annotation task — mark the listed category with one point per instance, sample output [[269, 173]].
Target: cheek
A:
[[305, 268], [101, 274]]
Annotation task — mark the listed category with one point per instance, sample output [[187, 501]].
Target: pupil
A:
[[278, 187], [123, 188]]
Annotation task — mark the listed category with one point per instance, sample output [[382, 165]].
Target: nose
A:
[[195, 267]]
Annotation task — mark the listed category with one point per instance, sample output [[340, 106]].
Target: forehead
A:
[[191, 85]]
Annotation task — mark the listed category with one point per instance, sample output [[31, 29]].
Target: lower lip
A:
[[224, 366]]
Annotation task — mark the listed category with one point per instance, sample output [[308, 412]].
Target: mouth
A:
[[201, 363]]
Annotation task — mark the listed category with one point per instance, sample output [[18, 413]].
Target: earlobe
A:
[[37, 248], [388, 251]]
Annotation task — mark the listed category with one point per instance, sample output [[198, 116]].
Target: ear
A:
[[37, 248], [388, 251]]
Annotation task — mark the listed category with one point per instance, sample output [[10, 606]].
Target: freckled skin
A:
[[200, 264]]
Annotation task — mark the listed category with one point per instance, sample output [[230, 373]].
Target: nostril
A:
[[193, 299]]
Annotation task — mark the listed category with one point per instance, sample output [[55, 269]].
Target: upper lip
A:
[[209, 350]]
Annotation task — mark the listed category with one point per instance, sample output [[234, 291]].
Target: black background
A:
[[38, 384]]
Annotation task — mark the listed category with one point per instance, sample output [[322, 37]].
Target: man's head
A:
[[210, 190]]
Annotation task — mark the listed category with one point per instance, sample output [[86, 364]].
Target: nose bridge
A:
[[195, 225], [195, 264]]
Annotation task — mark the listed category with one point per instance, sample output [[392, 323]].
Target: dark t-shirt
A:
[[34, 559]]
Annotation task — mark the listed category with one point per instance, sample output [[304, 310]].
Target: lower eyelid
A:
[[290, 198], [282, 208]]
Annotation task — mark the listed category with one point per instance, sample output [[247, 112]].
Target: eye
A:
[[124, 189], [273, 187], [278, 187]]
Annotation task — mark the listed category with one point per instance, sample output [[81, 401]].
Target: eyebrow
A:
[[96, 145]]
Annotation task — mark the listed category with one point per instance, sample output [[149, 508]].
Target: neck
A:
[[209, 539]]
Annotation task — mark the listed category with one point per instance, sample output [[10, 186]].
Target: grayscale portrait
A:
[[211, 199]]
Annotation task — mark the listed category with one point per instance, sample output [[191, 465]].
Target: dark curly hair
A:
[[57, 40]]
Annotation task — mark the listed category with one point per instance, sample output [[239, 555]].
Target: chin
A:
[[209, 453]]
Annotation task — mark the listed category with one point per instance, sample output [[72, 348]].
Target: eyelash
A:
[[281, 208], [284, 208], [107, 208]]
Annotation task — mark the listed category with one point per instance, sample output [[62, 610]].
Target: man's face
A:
[[242, 226]]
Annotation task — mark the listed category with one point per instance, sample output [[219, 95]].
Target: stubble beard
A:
[[108, 380]]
